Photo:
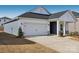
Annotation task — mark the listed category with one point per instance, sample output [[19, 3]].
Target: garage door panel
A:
[[35, 29]]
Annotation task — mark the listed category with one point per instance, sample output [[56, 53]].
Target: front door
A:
[[53, 27]]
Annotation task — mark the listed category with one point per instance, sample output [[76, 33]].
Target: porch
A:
[[57, 27]]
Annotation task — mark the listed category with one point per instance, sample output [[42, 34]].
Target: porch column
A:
[[64, 29], [58, 28]]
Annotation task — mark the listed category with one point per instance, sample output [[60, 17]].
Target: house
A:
[[4, 20], [40, 22]]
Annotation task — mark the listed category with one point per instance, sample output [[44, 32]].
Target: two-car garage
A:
[[35, 29]]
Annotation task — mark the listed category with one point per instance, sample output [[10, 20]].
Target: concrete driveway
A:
[[60, 44]]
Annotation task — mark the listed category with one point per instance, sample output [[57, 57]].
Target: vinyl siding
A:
[[12, 28], [32, 26], [74, 26]]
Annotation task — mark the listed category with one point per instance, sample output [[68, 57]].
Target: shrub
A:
[[20, 33], [73, 33]]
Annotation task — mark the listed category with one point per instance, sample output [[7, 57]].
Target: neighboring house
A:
[[4, 20], [40, 22]]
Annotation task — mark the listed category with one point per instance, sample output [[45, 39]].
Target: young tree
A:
[[20, 33]]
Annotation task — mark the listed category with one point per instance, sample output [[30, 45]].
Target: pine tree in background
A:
[[20, 33]]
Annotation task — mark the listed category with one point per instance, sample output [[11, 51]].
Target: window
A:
[[61, 27]]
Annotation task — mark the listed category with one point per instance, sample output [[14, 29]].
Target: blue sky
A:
[[15, 10]]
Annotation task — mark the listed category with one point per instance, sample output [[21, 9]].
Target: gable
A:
[[40, 10], [68, 16], [57, 15]]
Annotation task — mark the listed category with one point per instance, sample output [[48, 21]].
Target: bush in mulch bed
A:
[[73, 34], [20, 33]]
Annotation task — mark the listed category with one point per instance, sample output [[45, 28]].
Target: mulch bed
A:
[[75, 38]]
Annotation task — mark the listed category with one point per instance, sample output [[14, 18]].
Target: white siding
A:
[[4, 21], [71, 27], [67, 17], [34, 20], [55, 19], [67, 27], [11, 28], [32, 26], [74, 26], [77, 25], [35, 29]]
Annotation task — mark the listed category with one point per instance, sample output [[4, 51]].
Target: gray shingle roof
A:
[[58, 14], [45, 16], [35, 15], [40, 10], [5, 18], [76, 14], [11, 21]]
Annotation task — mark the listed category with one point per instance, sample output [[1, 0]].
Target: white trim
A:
[[58, 28], [64, 28]]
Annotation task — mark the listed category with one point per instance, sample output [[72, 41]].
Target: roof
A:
[[76, 14], [35, 15], [11, 21], [58, 14], [5, 18], [45, 16], [42, 13], [40, 10]]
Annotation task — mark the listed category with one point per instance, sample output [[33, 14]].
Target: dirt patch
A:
[[9, 43]]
